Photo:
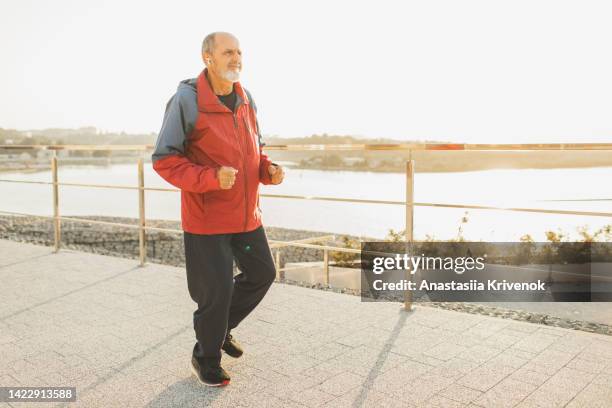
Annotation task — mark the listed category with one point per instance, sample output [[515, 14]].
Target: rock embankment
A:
[[162, 247]]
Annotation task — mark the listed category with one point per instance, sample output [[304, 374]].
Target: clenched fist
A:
[[227, 177], [277, 174]]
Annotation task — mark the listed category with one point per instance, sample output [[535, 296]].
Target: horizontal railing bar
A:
[[298, 243], [306, 240], [575, 200], [339, 199], [531, 210], [320, 198], [350, 147], [441, 147], [170, 230], [26, 181], [26, 214], [356, 200], [511, 266], [75, 219], [534, 146], [78, 147], [45, 160], [295, 268], [109, 186], [321, 247], [175, 190], [608, 278], [84, 220]]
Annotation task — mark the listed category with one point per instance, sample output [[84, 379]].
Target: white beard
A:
[[232, 76]]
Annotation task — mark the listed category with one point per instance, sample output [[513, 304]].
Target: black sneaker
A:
[[231, 347], [209, 372]]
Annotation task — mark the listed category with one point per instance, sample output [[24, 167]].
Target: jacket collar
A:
[[209, 102]]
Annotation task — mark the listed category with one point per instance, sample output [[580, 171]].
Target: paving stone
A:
[[389, 381], [485, 377], [421, 389], [312, 397], [445, 351], [480, 353], [548, 361], [454, 368], [460, 393], [586, 365], [507, 393], [592, 396], [535, 343], [603, 379], [361, 397], [438, 401], [560, 389], [341, 383], [530, 377]]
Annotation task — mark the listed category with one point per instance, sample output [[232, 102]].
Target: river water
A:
[[507, 188]]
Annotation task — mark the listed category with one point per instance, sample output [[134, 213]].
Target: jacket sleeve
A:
[[264, 160], [169, 159]]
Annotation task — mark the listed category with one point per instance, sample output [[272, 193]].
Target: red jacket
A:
[[200, 134]]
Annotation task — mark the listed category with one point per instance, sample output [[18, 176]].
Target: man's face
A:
[[226, 58]]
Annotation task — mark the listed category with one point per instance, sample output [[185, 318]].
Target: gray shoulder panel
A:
[[179, 120]]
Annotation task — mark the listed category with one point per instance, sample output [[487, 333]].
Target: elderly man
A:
[[209, 146]]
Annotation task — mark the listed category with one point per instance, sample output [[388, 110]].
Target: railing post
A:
[[279, 274], [56, 220], [141, 213], [409, 225], [326, 267]]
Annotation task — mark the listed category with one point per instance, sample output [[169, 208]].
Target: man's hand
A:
[[277, 174], [227, 177]]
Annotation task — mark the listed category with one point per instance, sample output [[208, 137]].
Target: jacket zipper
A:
[[246, 203], [249, 145]]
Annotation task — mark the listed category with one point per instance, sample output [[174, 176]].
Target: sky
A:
[[464, 71]]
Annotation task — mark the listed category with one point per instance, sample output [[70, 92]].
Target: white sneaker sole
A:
[[195, 372]]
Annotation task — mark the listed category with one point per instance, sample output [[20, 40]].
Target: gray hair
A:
[[208, 45]]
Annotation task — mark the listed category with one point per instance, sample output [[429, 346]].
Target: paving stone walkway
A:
[[123, 336]]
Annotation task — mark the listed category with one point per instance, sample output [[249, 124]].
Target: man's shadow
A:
[[186, 393]]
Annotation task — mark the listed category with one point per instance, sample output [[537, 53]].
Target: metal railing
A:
[[311, 243]]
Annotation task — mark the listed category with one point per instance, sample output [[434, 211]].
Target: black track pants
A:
[[224, 300]]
